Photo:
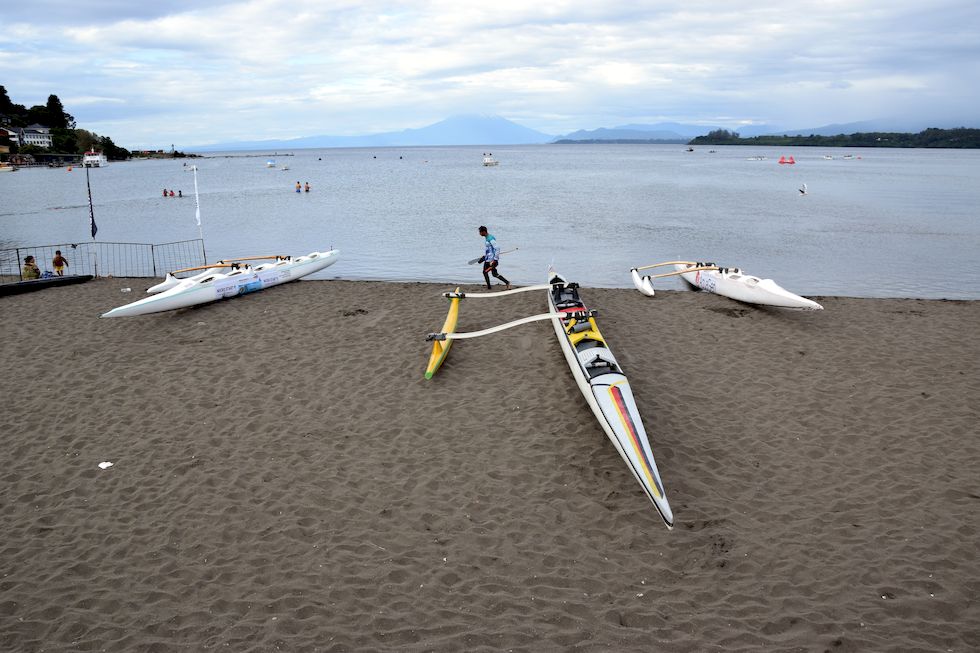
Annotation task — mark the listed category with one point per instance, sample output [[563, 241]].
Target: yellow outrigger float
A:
[[440, 348]]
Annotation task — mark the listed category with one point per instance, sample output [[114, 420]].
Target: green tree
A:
[[64, 140], [38, 115], [6, 106], [57, 115], [111, 150], [86, 140]]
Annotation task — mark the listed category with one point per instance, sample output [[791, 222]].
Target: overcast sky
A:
[[196, 72]]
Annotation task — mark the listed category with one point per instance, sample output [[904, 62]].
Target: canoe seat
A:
[[598, 366]]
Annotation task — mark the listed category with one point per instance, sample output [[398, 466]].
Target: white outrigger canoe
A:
[[605, 387], [223, 280], [595, 369], [729, 282]]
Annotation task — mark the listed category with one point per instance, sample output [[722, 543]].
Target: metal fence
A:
[[107, 259]]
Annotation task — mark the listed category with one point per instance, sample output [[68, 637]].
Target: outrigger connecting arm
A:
[[671, 274], [660, 265], [580, 315], [502, 293]]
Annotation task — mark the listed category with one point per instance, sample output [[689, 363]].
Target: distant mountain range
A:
[[457, 130], [494, 130]]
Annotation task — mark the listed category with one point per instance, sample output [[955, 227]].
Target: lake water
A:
[[880, 223]]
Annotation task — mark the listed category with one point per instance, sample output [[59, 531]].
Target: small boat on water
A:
[[93, 159], [488, 160], [729, 282], [6, 167], [784, 161], [223, 280]]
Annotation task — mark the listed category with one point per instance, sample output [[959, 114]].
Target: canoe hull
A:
[[607, 391], [735, 284], [197, 290], [18, 287], [642, 284]]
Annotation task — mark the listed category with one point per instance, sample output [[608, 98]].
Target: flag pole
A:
[[197, 211], [197, 205], [91, 210], [91, 216]]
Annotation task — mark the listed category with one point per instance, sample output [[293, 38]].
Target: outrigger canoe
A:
[[605, 387], [595, 369], [31, 285], [728, 282], [223, 280]]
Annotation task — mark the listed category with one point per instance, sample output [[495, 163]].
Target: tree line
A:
[[961, 137], [65, 136]]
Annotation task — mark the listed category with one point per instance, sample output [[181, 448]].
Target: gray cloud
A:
[[205, 71]]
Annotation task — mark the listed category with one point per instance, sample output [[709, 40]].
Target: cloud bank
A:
[[207, 71]]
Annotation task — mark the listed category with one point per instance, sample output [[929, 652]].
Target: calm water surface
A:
[[882, 223]]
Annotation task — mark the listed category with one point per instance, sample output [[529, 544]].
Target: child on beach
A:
[[30, 271], [59, 263]]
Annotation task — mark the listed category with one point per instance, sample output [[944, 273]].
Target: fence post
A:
[[153, 257], [204, 253], [20, 268]]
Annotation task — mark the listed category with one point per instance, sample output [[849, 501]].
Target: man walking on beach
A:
[[491, 255]]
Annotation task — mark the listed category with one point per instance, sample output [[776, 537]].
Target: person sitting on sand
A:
[[30, 271], [59, 263]]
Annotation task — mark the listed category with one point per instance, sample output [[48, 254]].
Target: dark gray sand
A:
[[285, 479]]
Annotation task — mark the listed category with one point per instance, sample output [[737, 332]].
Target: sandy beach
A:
[[284, 478]]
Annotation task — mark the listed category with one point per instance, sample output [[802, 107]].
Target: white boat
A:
[[729, 282], [270, 164], [93, 159], [605, 387], [490, 161], [6, 167], [223, 280]]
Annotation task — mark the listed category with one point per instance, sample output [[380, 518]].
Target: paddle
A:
[[477, 260]]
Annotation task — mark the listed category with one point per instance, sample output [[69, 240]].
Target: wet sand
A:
[[285, 479]]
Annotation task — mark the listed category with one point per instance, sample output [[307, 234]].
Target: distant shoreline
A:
[[960, 138]]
